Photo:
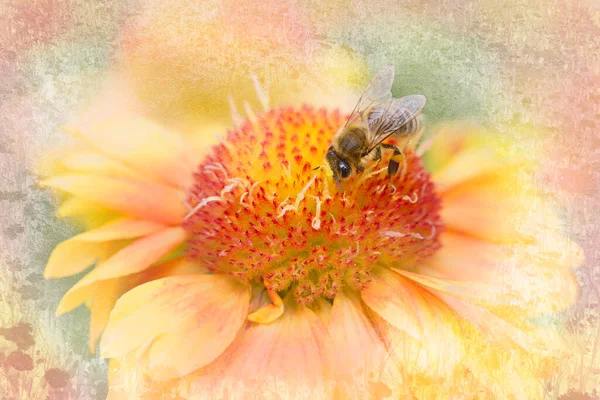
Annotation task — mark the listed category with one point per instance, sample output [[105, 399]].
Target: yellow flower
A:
[[247, 273]]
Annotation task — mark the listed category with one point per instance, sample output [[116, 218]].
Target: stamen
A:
[[251, 115], [263, 97], [301, 196], [316, 221], [235, 116], [254, 185], [202, 204], [286, 209], [228, 189], [395, 234], [433, 230], [412, 201], [217, 167]]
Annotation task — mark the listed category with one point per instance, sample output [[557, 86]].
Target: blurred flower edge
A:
[[428, 302]]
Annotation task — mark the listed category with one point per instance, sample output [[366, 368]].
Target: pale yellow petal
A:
[[73, 256], [188, 322], [134, 258], [503, 331], [528, 280], [100, 307], [78, 253], [105, 297], [90, 214]]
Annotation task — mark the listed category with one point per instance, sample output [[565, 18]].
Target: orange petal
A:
[[76, 254], [136, 257], [438, 347], [397, 300], [360, 350], [289, 358], [144, 146], [145, 200], [466, 165], [499, 209], [188, 321], [96, 164]]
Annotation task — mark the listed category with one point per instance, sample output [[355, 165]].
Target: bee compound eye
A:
[[344, 169]]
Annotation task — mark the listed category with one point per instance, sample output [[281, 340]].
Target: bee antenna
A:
[[316, 168]]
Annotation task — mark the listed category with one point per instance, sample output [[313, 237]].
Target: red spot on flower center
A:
[[262, 213]]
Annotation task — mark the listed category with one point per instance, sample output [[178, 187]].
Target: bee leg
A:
[[394, 163], [378, 154]]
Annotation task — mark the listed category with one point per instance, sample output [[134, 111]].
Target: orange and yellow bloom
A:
[[241, 271]]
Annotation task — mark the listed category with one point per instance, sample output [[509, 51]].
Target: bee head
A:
[[340, 168]]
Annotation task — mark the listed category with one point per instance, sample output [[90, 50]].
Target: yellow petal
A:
[[136, 257], [270, 312], [289, 358], [76, 254], [126, 381], [73, 256], [505, 332], [100, 307], [145, 200], [104, 299], [144, 146], [91, 214], [188, 320]]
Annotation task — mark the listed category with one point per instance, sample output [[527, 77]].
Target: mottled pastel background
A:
[[518, 66]]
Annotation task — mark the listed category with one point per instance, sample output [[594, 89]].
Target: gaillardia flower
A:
[[244, 272]]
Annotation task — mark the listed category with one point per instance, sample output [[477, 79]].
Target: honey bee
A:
[[376, 117]]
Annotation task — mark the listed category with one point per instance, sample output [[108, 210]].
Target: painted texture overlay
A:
[[152, 85]]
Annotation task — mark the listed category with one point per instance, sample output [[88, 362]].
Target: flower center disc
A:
[[261, 213]]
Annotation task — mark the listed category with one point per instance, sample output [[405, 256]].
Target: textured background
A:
[[518, 66]]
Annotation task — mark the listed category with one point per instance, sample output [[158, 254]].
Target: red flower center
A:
[[262, 213]]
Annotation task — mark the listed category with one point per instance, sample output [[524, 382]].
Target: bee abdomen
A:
[[411, 127]]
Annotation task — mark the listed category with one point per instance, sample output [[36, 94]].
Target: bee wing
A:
[[378, 90], [390, 117]]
